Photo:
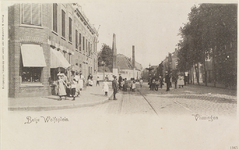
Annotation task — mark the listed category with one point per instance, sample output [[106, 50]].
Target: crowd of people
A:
[[73, 86], [179, 80]]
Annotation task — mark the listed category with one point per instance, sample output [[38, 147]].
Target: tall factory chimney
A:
[[115, 68], [133, 61], [133, 57]]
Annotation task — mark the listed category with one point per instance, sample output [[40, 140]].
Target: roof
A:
[[124, 62]]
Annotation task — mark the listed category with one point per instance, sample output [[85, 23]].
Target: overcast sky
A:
[[152, 27]]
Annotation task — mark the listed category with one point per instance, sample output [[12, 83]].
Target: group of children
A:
[[70, 88], [128, 84]]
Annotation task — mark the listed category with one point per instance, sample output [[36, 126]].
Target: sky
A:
[[152, 26]]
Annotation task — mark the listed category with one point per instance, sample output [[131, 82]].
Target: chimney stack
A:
[[114, 52], [133, 57]]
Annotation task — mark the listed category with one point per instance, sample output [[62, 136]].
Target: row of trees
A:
[[211, 34]]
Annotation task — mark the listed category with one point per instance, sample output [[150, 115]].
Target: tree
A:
[[106, 55], [211, 31]]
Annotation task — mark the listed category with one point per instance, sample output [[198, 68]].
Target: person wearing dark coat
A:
[[114, 86], [167, 81], [120, 81]]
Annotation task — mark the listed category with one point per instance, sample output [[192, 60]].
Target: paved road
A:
[[137, 120], [190, 100]]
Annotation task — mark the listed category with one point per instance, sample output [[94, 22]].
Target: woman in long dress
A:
[[77, 78], [81, 81], [61, 87], [106, 87]]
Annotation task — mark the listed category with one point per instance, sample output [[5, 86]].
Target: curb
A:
[[54, 107]]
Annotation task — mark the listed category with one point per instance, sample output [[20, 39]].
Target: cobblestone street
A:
[[190, 100]]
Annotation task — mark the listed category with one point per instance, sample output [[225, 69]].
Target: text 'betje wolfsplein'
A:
[[45, 119]]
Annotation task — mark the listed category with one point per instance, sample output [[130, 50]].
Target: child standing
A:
[[105, 87], [133, 86], [73, 88]]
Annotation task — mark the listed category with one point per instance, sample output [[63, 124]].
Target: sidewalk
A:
[[89, 97]]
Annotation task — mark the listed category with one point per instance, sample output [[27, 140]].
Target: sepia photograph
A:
[[119, 75]]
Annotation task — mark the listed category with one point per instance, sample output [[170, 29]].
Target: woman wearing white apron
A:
[[77, 78], [81, 82], [106, 87]]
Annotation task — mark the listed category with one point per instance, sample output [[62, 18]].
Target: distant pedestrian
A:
[[161, 81], [105, 87], [152, 87], [141, 82], [157, 84], [73, 88], [133, 86], [81, 81], [180, 81], [61, 86], [175, 78], [167, 81], [114, 86], [77, 78], [97, 81], [124, 85], [120, 81]]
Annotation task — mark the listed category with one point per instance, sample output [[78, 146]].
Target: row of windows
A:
[[84, 45], [31, 15]]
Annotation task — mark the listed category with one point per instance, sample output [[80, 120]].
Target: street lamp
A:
[[103, 63], [149, 71]]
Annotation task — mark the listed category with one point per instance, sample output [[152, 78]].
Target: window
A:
[[76, 39], [83, 43], [55, 17], [31, 74], [80, 41], [70, 29], [86, 48], [31, 14], [63, 22]]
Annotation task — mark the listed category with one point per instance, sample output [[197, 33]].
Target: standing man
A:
[[175, 79], [114, 86], [120, 80], [167, 80]]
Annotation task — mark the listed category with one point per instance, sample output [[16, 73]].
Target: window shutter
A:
[[27, 13], [36, 14]]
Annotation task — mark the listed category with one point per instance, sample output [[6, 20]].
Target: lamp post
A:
[[103, 63], [149, 72]]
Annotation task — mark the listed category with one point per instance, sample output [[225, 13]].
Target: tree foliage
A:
[[211, 31], [106, 55]]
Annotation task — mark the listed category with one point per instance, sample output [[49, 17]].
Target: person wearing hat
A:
[[120, 80], [167, 80], [81, 81], [114, 86], [61, 86]]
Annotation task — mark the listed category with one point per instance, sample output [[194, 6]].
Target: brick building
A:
[[45, 39]]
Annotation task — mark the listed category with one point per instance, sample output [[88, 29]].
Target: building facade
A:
[[45, 39], [125, 67]]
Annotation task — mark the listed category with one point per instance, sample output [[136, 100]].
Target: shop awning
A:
[[58, 60], [32, 55]]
